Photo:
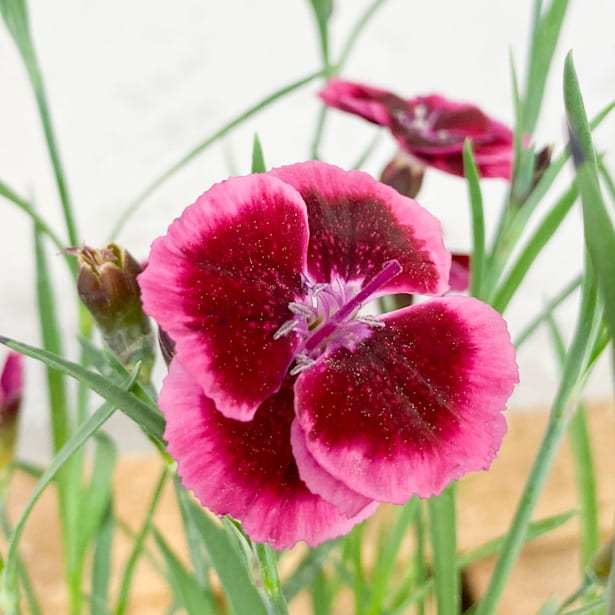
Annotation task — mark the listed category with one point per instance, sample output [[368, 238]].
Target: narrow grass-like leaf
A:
[[238, 587], [595, 607], [189, 594], [477, 261], [151, 421], [96, 497], [101, 564], [16, 19], [443, 534], [200, 561], [583, 463], [599, 231], [137, 548], [27, 208], [322, 10], [385, 562], [321, 594], [550, 307], [258, 159], [201, 147], [574, 377], [546, 31], [534, 530], [270, 579], [81, 435], [532, 248], [307, 569]]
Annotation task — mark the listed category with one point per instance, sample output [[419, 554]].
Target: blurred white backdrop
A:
[[134, 85]]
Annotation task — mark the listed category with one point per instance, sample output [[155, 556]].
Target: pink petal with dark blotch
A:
[[416, 405], [459, 279], [319, 481], [219, 284], [246, 469], [358, 224]]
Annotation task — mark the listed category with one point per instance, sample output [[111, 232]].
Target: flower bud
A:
[[602, 561], [404, 174], [11, 388], [107, 285]]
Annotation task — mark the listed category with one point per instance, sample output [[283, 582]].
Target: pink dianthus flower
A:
[[286, 407], [432, 129]]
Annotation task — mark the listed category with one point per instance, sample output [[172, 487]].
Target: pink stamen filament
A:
[[391, 269]]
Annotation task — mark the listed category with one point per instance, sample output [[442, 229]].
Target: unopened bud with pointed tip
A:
[[107, 285], [404, 173], [11, 389]]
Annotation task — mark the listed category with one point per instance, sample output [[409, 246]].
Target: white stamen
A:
[[300, 309], [285, 329], [372, 321], [302, 363], [420, 112], [318, 288]]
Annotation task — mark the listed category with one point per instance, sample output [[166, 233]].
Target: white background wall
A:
[[134, 84]]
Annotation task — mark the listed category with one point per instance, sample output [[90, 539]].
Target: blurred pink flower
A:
[[11, 390], [432, 128], [286, 407]]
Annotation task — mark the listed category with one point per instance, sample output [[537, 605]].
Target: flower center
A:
[[327, 315]]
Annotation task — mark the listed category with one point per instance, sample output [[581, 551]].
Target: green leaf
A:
[[82, 434], [442, 516], [546, 31], [138, 547], [477, 262], [307, 569], [150, 420], [599, 231], [96, 498], [532, 248], [101, 565], [186, 588], [322, 10], [192, 154], [258, 160], [238, 586], [385, 562]]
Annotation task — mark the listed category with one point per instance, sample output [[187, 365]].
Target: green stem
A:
[[272, 588], [262, 104], [573, 378], [443, 534]]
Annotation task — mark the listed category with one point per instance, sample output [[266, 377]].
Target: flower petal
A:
[[358, 224], [219, 284], [319, 481], [414, 406], [246, 469]]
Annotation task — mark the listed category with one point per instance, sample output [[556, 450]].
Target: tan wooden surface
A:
[[548, 565]]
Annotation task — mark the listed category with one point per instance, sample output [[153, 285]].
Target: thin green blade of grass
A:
[[505, 291], [134, 206], [81, 435], [583, 463], [574, 377], [477, 261], [322, 10], [443, 535], [238, 587], [188, 592], [101, 564], [138, 546], [15, 17], [385, 562], [599, 231], [546, 31], [142, 413], [258, 158]]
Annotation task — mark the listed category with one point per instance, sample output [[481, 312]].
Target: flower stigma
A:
[[327, 318]]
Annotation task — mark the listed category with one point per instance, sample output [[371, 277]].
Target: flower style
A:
[[11, 389], [431, 128], [289, 408]]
